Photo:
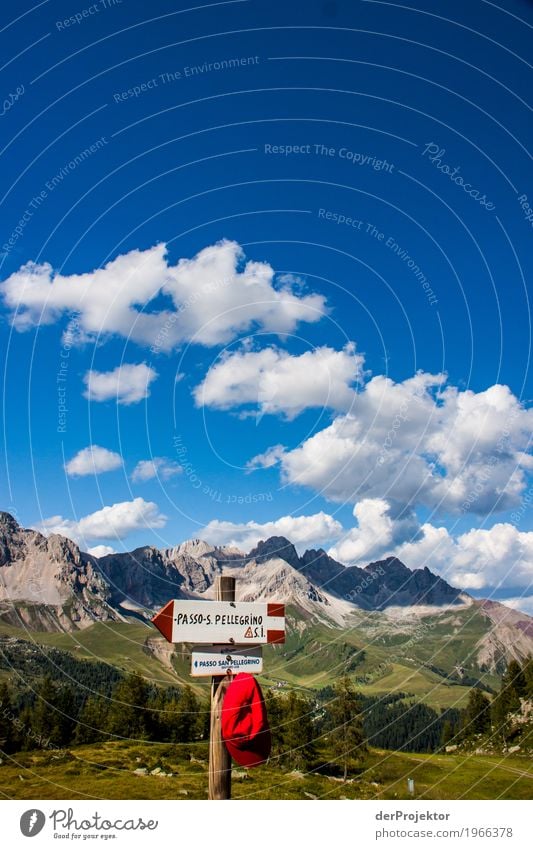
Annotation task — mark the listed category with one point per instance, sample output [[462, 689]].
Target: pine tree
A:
[[92, 721], [447, 732], [66, 710], [45, 720], [127, 715], [7, 728], [477, 714], [514, 682], [159, 717], [187, 717], [499, 716], [276, 720], [347, 735], [299, 732], [514, 687], [528, 677]]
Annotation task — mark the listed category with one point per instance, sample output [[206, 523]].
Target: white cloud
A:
[[101, 550], [269, 458], [380, 528], [278, 382], [212, 298], [421, 442], [493, 558], [113, 522], [479, 559], [523, 603], [300, 530], [127, 384], [160, 467], [92, 461]]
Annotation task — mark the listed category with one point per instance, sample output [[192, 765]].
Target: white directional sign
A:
[[221, 622], [218, 660]]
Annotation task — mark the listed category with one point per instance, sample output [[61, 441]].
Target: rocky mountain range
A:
[[48, 584], [52, 572]]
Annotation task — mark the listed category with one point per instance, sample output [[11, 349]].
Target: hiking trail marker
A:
[[226, 622], [238, 626], [219, 660]]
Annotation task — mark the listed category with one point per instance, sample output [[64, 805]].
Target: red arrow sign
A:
[[221, 622]]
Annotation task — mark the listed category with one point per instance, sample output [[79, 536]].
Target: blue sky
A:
[[340, 193]]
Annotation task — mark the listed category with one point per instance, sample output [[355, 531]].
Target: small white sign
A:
[[218, 660]]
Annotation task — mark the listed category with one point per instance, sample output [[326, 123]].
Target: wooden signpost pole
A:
[[219, 757], [234, 631]]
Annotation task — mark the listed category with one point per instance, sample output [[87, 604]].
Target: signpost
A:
[[242, 622], [221, 660], [238, 626]]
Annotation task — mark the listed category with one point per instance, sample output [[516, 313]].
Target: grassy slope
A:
[[313, 656], [119, 644], [105, 771]]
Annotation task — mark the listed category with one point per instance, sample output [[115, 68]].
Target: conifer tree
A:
[[7, 727], [347, 735], [299, 731], [447, 732], [477, 714], [514, 682], [47, 724], [92, 721], [127, 715], [528, 677], [507, 701], [276, 720], [187, 717]]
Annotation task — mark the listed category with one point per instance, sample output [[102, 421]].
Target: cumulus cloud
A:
[[381, 527], [277, 382], [112, 522], [211, 298], [496, 558], [492, 558], [161, 467], [523, 603], [301, 530], [267, 459], [101, 550], [421, 442], [127, 384], [92, 461]]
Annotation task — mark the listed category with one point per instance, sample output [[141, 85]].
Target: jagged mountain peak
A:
[[195, 547], [279, 547], [390, 565], [47, 582], [8, 523]]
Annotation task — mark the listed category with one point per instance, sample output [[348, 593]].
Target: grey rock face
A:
[[59, 585]]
